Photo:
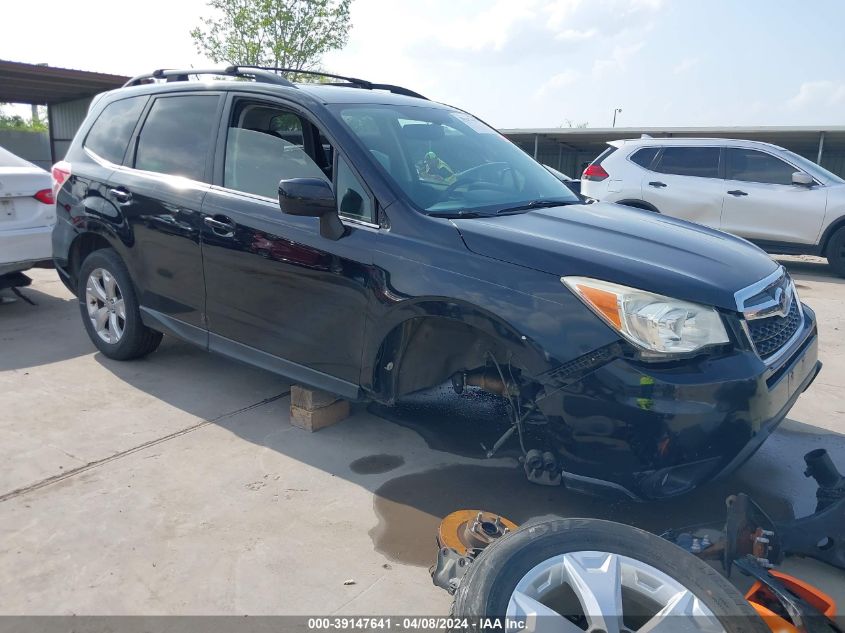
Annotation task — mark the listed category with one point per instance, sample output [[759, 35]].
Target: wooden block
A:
[[319, 418], [310, 399]]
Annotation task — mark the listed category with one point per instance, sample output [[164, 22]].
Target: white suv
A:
[[775, 198]]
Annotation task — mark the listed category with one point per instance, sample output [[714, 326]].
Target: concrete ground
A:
[[176, 485]]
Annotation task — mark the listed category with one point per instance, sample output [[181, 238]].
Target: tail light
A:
[[45, 196], [595, 172], [60, 174]]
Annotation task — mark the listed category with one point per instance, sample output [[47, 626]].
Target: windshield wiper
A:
[[457, 214], [536, 204]]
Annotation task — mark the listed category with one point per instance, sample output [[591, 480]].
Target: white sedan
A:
[[27, 214]]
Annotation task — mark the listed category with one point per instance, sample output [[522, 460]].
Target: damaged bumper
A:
[[652, 431]]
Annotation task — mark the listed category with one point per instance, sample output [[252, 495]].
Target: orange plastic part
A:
[[603, 301], [759, 596]]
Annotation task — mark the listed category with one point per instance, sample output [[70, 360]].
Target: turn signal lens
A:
[[651, 322], [606, 303]]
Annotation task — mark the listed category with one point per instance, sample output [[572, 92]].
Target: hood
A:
[[623, 245]]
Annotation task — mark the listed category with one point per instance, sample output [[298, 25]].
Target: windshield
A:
[[814, 169], [449, 162]]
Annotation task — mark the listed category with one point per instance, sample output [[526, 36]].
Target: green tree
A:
[[283, 33], [17, 122]]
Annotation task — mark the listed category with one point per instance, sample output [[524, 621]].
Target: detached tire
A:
[[581, 556], [109, 308], [835, 252]]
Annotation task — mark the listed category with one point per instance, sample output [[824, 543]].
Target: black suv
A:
[[361, 239]]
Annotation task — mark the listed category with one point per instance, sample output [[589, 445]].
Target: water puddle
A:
[[376, 464], [410, 507]]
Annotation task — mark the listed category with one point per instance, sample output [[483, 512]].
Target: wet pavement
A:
[[465, 424]]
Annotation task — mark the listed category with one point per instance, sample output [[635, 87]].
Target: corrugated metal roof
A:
[[33, 83], [805, 137]]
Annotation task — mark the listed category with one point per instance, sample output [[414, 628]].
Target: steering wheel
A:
[[471, 175]]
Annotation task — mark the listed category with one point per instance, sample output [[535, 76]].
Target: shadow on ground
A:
[[815, 269], [50, 317], [409, 506]]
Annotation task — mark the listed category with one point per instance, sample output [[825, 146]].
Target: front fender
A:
[[540, 325]]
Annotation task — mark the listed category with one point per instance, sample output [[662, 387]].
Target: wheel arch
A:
[[81, 247], [828, 233], [431, 340]]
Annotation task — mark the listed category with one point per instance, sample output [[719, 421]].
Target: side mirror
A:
[[312, 197], [802, 179]]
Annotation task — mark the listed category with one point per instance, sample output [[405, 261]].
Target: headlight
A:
[[650, 321]]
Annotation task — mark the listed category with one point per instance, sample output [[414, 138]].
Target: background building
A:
[[66, 93]]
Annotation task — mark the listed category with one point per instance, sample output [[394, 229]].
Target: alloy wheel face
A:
[[106, 307], [603, 592]]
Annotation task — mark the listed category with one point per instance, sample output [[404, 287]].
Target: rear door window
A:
[[110, 134], [690, 161], [644, 157], [177, 134], [750, 165]]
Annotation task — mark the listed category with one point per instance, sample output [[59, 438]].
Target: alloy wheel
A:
[[106, 306], [601, 592]]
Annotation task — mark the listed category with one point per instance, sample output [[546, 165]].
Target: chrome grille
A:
[[771, 333]]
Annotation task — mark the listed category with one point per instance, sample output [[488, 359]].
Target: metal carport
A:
[[66, 93]]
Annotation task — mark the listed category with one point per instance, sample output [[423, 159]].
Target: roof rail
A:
[[169, 74], [353, 81]]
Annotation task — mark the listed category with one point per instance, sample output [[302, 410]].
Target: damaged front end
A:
[[613, 422]]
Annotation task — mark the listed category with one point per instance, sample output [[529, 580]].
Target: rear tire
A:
[[491, 581], [835, 252], [109, 308]]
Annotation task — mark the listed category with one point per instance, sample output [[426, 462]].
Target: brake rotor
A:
[[467, 530]]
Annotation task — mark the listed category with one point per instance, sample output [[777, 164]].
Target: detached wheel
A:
[[577, 575], [835, 252], [110, 309]]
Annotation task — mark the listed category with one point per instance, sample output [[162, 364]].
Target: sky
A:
[[517, 63]]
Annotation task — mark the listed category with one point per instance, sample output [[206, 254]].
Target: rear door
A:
[[686, 182], [762, 204], [160, 191]]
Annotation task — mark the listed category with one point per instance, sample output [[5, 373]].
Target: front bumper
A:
[[658, 430]]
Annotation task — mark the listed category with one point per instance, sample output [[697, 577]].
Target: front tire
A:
[[109, 308], [577, 574], [835, 252]]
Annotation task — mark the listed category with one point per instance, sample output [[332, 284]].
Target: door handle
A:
[[657, 183], [737, 193], [221, 225], [120, 194]]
